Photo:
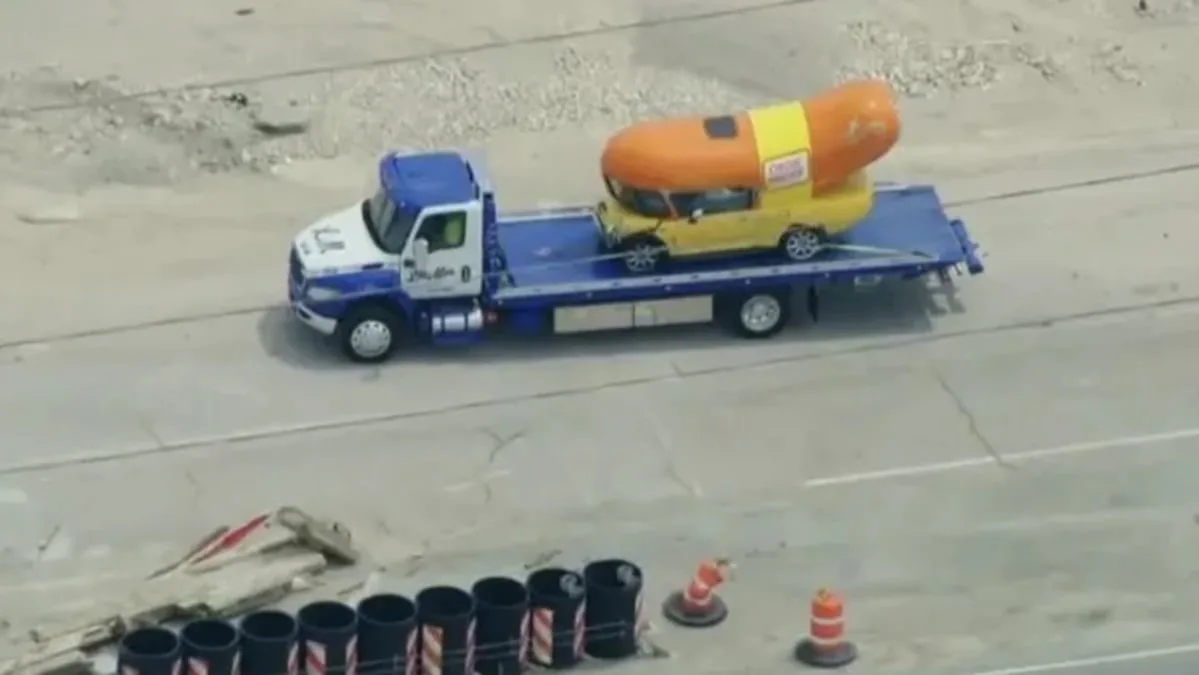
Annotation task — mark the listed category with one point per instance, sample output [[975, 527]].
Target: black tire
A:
[[642, 255], [802, 243], [770, 308], [370, 318]]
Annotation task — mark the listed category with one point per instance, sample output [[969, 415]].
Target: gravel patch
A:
[[430, 103], [980, 67]]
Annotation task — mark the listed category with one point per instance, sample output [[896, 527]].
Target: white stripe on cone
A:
[[639, 614], [431, 643], [470, 647], [352, 656], [412, 658], [543, 636], [580, 629], [523, 654], [314, 658]]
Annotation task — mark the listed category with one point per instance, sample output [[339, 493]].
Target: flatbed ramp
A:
[[233, 570], [560, 254]]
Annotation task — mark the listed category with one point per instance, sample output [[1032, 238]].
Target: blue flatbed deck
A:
[[558, 255]]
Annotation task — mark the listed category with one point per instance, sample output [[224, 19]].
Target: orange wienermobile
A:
[[784, 176]]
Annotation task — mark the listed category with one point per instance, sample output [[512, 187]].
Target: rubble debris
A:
[[237, 99], [281, 120], [916, 67], [232, 571]]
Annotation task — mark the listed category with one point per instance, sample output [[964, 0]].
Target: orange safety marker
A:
[[826, 646], [697, 605]]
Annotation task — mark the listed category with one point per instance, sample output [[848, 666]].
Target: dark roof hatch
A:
[[724, 126]]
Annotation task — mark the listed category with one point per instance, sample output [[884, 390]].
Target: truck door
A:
[[444, 257]]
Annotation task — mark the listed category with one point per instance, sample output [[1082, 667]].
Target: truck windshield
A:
[[389, 225], [648, 203]]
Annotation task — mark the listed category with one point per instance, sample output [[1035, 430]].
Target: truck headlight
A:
[[322, 294]]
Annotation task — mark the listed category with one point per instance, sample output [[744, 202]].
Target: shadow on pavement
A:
[[286, 340]]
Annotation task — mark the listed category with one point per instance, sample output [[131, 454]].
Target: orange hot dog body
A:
[[850, 127], [843, 130]]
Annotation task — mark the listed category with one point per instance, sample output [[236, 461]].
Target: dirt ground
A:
[[1014, 463], [183, 97]]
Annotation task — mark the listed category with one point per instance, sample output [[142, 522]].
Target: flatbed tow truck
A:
[[380, 273]]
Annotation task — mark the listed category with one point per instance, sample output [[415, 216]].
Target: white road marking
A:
[[1009, 458], [1074, 664], [13, 496], [482, 480]]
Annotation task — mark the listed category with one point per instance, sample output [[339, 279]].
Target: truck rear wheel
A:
[[369, 333], [802, 243], [755, 316]]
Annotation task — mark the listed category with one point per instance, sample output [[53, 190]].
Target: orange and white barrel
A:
[[826, 628], [697, 604], [826, 645], [697, 595]]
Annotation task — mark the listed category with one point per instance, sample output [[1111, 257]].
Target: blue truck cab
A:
[[428, 258]]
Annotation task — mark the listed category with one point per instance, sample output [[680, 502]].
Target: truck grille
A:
[[294, 269]]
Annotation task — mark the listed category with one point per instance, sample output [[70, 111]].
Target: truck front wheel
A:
[[755, 315], [369, 333], [641, 254]]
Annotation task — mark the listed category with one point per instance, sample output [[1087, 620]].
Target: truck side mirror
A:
[[420, 254], [696, 214]]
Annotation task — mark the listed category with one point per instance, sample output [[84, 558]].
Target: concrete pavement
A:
[[1162, 661], [1079, 539], [991, 484]]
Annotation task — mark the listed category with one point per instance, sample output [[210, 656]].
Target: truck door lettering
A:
[[436, 275]]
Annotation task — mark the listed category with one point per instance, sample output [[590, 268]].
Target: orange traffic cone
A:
[[697, 605], [826, 646]]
